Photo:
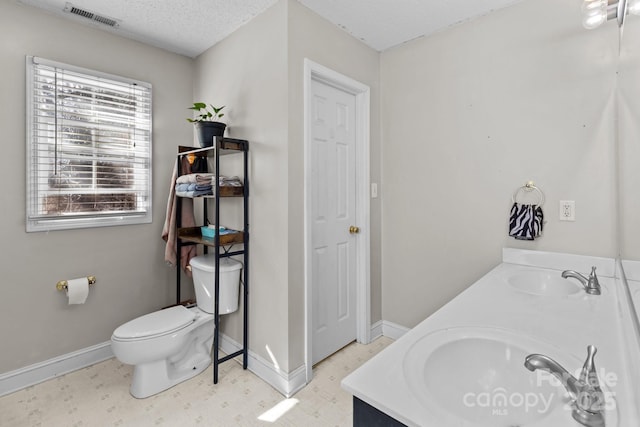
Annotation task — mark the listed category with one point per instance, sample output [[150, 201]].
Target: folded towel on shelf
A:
[[206, 179], [193, 190], [186, 187], [194, 187], [195, 178], [230, 181], [525, 221]]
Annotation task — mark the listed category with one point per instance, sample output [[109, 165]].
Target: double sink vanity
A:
[[465, 365]]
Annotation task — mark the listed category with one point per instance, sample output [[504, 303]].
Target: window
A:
[[88, 148]]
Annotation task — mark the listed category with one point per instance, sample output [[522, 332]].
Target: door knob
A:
[[354, 230]]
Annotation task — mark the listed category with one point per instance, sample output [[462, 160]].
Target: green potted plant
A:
[[206, 122]]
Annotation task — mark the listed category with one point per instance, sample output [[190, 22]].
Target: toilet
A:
[[172, 345]]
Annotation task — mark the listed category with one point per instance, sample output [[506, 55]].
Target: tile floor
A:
[[99, 396]]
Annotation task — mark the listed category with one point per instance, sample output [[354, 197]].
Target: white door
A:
[[333, 201]]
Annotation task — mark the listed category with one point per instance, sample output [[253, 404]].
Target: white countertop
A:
[[569, 323]]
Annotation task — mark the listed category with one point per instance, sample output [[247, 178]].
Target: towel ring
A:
[[528, 187]]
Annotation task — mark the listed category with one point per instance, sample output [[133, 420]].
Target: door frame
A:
[[316, 72]]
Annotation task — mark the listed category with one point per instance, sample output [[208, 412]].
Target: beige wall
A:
[[247, 72], [312, 37], [629, 137], [459, 120], [472, 113], [36, 323], [257, 72]]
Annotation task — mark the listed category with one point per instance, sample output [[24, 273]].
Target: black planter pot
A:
[[207, 130]]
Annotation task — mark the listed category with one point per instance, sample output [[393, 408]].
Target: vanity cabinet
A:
[[365, 415], [234, 244]]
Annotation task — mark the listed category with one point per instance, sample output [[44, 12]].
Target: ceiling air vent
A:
[[101, 19]]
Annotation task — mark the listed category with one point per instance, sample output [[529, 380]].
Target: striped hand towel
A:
[[525, 221]]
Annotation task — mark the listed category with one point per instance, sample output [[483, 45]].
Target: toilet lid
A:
[[156, 323]]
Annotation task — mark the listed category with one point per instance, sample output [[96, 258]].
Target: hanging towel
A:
[[525, 221], [169, 228]]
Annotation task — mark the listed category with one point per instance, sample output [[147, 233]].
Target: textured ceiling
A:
[[382, 24], [190, 27]]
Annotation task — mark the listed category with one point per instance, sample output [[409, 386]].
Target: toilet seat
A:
[[155, 324]]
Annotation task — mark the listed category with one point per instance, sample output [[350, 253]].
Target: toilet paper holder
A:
[[62, 284]]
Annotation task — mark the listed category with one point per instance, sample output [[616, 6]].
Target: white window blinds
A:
[[88, 148]]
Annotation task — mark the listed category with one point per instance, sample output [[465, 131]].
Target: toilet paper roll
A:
[[77, 290]]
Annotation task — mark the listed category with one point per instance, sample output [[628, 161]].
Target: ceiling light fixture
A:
[[596, 12]]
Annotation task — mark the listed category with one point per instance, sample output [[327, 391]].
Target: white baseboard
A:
[[393, 330], [33, 374], [376, 330], [285, 383], [290, 383]]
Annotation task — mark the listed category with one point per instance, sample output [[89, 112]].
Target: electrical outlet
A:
[[567, 210]]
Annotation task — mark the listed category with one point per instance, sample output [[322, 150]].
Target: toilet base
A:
[[152, 378], [159, 375]]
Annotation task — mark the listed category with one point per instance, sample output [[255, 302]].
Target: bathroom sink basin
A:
[[544, 283], [476, 377]]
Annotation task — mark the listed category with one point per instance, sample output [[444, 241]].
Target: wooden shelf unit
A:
[[193, 235], [221, 245]]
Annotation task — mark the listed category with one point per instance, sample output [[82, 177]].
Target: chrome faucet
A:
[[591, 284], [588, 405]]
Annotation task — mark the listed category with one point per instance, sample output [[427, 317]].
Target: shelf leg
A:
[[216, 357]]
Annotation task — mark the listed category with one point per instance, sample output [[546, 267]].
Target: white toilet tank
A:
[[203, 268]]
